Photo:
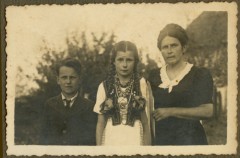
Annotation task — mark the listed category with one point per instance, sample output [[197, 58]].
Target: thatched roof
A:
[[208, 31]]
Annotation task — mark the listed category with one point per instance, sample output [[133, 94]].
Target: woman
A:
[[122, 104], [182, 93]]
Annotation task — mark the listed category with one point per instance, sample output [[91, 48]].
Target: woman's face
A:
[[124, 63], [172, 50]]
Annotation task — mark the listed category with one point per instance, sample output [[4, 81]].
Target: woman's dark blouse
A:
[[194, 89]]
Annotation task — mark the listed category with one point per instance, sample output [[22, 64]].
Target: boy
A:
[[68, 118]]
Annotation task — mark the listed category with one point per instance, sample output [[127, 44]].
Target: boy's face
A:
[[68, 80]]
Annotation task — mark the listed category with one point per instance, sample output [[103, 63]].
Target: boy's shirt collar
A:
[[71, 100]]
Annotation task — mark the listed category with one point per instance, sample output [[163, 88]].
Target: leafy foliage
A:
[[208, 44], [94, 60]]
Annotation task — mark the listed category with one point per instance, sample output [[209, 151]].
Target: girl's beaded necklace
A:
[[123, 97]]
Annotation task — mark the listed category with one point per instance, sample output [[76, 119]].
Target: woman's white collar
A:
[[167, 83]]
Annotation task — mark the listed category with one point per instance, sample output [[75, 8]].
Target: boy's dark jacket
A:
[[74, 126]]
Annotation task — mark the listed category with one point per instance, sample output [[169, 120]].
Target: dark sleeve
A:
[[43, 138], [91, 120], [203, 87], [93, 125], [154, 77]]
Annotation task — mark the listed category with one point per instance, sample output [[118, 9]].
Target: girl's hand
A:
[[139, 103], [109, 103], [162, 113], [106, 105]]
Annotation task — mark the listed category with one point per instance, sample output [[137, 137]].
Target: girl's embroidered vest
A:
[[132, 113]]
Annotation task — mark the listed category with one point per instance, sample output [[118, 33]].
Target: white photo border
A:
[[229, 148]]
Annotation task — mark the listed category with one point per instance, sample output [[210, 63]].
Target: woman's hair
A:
[[173, 30], [122, 46]]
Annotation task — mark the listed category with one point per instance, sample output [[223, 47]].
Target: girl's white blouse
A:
[[112, 133]]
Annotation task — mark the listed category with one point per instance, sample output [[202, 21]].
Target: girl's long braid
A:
[[123, 46], [136, 78], [110, 81]]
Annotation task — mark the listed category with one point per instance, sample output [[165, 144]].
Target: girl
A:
[[123, 101]]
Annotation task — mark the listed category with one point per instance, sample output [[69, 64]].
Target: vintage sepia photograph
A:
[[121, 79]]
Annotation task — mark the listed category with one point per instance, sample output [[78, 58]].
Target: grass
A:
[[216, 129], [27, 127]]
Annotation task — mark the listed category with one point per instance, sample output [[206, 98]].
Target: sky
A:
[[28, 26]]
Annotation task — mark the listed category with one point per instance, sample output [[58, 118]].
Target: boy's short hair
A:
[[69, 62]]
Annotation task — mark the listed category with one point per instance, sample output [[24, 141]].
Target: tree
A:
[[208, 44], [94, 57]]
